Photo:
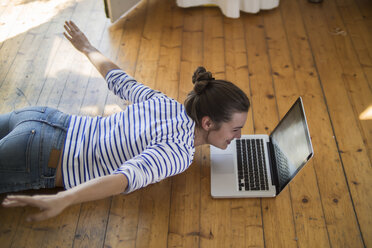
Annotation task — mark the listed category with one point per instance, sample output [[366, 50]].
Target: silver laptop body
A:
[[262, 165]]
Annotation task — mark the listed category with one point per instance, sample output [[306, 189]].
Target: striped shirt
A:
[[153, 138]]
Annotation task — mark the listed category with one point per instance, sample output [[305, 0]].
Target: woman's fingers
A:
[[21, 201], [69, 31], [49, 205], [67, 37], [66, 26], [75, 35], [12, 203], [73, 25]]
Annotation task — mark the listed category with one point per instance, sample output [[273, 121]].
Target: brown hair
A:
[[217, 99]]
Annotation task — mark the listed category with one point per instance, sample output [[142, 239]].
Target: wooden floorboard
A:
[[355, 163], [304, 195], [246, 229], [322, 52], [184, 223]]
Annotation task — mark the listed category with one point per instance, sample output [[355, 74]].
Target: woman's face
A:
[[228, 131]]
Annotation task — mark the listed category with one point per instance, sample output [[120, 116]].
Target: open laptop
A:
[[262, 165]]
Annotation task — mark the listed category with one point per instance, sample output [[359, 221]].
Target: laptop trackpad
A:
[[222, 163]]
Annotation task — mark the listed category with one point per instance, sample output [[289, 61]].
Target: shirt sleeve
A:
[[154, 164], [128, 88]]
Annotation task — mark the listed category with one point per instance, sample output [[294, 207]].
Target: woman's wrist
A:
[[88, 50], [67, 197]]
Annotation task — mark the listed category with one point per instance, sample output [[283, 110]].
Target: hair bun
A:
[[201, 74]]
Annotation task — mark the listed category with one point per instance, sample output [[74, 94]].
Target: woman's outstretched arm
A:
[[82, 44], [52, 205]]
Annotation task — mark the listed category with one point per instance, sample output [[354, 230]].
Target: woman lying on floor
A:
[[97, 157]]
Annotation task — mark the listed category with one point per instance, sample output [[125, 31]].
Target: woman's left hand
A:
[[77, 37], [49, 205]]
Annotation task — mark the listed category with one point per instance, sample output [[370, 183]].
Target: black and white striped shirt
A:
[[153, 138]]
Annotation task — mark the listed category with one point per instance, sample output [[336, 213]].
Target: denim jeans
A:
[[27, 137]]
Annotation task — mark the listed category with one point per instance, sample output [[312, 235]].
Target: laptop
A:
[[262, 165]]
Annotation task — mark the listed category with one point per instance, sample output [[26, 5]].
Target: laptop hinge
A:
[[274, 170]]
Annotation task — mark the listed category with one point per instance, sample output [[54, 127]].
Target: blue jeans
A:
[[28, 137]]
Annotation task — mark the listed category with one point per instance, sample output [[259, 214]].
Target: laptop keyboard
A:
[[252, 173]]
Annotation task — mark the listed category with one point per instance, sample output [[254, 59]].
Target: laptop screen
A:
[[292, 144]]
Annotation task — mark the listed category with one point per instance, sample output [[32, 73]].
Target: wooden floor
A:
[[322, 52]]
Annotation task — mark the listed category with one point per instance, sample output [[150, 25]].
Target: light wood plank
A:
[[3, 6], [184, 228], [358, 30], [246, 229], [124, 213], [14, 81], [20, 22], [23, 74], [28, 74], [348, 134], [85, 90], [89, 92], [214, 232], [356, 84], [192, 50], [360, 95], [60, 69], [308, 214], [155, 199], [10, 219], [365, 7], [11, 13], [127, 32], [237, 70], [361, 39], [91, 228], [277, 212], [168, 75], [154, 215], [168, 72], [150, 44], [60, 230], [333, 189], [14, 48], [38, 234], [123, 221], [66, 225]]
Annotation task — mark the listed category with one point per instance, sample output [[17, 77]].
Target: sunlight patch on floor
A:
[[366, 114], [27, 15]]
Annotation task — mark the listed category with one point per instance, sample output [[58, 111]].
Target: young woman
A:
[[97, 157]]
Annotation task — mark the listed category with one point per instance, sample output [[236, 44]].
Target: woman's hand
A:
[[76, 37], [52, 205], [49, 205], [82, 44]]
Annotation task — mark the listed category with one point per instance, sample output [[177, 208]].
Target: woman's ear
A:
[[206, 123]]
